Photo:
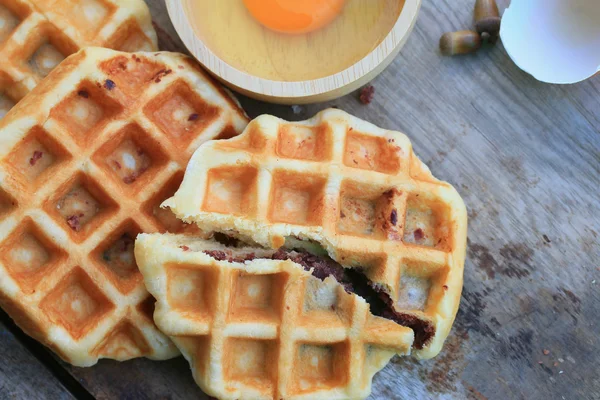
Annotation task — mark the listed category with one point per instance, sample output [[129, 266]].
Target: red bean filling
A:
[[353, 281]]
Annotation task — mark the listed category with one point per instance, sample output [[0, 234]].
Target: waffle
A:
[[257, 328], [86, 159], [35, 36], [356, 189]]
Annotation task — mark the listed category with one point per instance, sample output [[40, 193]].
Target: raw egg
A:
[[294, 16]]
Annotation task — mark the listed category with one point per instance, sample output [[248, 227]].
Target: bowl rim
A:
[[298, 89]]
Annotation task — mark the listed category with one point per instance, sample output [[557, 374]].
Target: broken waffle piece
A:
[[37, 35], [254, 323], [84, 167], [357, 190]]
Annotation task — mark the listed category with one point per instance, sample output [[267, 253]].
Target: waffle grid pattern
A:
[[70, 214], [35, 36], [358, 190], [264, 329]]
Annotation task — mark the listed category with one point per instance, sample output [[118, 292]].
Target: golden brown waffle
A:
[[85, 161], [264, 329], [36, 35], [358, 190]]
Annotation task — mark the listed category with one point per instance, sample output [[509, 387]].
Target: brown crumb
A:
[[83, 93], [546, 352], [394, 217], [366, 94], [193, 117], [160, 74], [445, 287], [117, 164], [35, 157], [419, 234], [556, 364], [184, 248], [73, 222]]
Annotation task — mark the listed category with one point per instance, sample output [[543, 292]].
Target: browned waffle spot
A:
[[116, 258], [371, 153], [171, 111], [427, 223], [192, 290], [80, 206], [257, 298], [29, 255], [83, 116], [124, 341], [304, 143], [38, 154], [164, 218], [76, 304], [7, 203], [132, 157], [252, 362], [9, 20], [297, 198], [232, 190], [320, 366], [130, 73]]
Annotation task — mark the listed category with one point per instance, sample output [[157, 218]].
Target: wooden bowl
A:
[[300, 92]]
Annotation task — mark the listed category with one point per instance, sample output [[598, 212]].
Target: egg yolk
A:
[[294, 16]]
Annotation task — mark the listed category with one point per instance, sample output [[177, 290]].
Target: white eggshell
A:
[[556, 41]]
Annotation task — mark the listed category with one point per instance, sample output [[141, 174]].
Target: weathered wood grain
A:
[[526, 158], [22, 376]]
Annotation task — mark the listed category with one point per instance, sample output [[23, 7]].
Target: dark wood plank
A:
[[22, 376]]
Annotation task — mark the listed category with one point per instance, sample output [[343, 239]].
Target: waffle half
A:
[[36, 35], [254, 327], [85, 161], [356, 189]]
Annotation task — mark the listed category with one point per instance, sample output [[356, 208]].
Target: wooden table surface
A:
[[524, 155]]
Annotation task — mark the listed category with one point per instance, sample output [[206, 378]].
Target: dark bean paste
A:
[[353, 281]]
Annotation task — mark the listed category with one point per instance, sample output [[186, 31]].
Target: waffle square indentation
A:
[[7, 203], [132, 158], [80, 206], [10, 18], [232, 190], [320, 366], [76, 304], [371, 153], [86, 110], [257, 298], [298, 198], [427, 222], [164, 217], [116, 257], [304, 142], [37, 154], [29, 255], [125, 341], [181, 113], [192, 290], [252, 362], [419, 281]]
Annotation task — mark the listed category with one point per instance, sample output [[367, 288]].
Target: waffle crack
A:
[[253, 323]]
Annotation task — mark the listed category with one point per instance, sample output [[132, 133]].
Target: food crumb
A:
[[366, 94], [193, 117], [546, 352], [184, 248], [83, 93], [109, 85], [418, 234], [35, 157]]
